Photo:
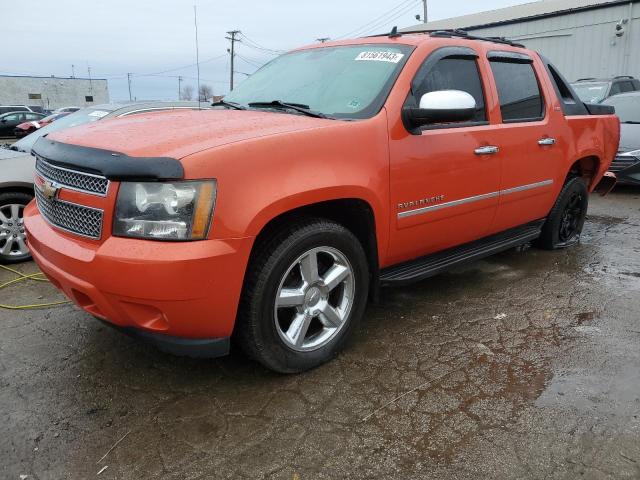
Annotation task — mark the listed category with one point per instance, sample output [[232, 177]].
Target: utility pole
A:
[[195, 23], [425, 19], [90, 81], [323, 39], [73, 71], [179, 88], [129, 82], [232, 51]]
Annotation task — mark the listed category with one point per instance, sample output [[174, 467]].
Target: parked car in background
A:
[[334, 170], [626, 165], [9, 121], [66, 110], [26, 128], [15, 108], [17, 166], [592, 90]]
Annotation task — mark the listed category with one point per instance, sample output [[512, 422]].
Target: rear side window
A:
[[455, 74], [570, 101], [519, 92]]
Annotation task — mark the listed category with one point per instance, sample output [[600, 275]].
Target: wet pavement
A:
[[525, 365]]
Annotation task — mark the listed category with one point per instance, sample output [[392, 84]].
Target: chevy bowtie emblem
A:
[[49, 189]]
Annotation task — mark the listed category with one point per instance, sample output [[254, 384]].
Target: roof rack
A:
[[586, 79], [464, 34], [448, 34]]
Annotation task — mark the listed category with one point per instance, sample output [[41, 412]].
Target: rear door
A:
[[531, 155], [444, 177]]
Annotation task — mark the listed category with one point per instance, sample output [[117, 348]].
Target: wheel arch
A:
[[354, 213], [17, 187], [586, 167]]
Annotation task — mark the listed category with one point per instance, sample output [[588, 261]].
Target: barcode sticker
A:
[[390, 57]]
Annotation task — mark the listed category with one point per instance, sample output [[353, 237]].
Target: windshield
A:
[[78, 118], [591, 92], [344, 82], [627, 107]]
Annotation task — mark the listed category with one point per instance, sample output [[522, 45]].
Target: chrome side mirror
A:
[[442, 106]]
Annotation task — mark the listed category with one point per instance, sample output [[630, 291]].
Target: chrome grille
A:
[[84, 182], [73, 218], [620, 163]]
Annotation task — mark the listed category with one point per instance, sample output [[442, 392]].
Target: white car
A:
[[17, 167]]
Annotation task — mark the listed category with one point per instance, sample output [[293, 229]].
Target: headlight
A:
[[165, 211]]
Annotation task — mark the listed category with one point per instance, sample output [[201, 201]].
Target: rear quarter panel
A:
[[593, 136]]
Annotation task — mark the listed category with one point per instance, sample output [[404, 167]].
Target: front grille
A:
[[74, 218], [620, 163], [84, 182]]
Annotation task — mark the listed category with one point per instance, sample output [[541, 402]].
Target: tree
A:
[[186, 93], [206, 93]]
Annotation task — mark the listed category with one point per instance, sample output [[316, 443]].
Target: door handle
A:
[[488, 150], [546, 141]]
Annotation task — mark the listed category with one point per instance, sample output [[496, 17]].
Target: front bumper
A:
[[173, 294]]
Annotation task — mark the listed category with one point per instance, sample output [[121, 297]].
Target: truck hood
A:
[[177, 134], [629, 137]]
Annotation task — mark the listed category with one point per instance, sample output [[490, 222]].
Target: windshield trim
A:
[[380, 100]]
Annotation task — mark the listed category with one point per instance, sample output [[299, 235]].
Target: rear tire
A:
[[305, 291], [564, 224], [13, 247]]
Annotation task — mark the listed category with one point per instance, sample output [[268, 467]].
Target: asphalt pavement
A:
[[524, 365]]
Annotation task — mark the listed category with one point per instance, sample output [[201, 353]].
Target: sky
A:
[[154, 40]]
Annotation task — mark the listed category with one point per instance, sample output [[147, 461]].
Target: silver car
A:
[[17, 167]]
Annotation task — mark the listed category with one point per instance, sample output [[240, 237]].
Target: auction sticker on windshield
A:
[[390, 57]]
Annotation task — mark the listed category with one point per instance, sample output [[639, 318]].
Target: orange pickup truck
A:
[[334, 170]]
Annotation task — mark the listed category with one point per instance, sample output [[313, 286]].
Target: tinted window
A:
[[455, 74], [520, 97], [615, 89], [12, 109], [626, 86]]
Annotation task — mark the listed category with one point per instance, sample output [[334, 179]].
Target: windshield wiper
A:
[[232, 105], [298, 107], [632, 122]]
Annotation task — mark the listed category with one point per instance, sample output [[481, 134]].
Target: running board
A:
[[436, 263]]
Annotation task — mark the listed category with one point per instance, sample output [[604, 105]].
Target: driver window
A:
[[453, 73]]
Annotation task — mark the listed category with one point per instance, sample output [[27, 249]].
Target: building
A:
[[584, 38], [52, 92]]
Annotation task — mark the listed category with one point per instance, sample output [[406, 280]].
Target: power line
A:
[[382, 18], [250, 62], [253, 44], [388, 21]]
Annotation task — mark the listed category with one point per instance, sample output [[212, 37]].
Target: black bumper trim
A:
[[178, 346], [110, 164]]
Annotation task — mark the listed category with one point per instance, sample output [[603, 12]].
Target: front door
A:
[[445, 178]]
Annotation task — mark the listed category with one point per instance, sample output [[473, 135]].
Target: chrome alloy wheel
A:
[[314, 299], [12, 233]]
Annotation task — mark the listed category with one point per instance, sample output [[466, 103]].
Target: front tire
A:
[[13, 247], [305, 291], [564, 224]]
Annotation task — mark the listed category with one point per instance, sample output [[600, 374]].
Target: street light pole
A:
[[425, 18]]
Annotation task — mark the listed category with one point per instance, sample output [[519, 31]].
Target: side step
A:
[[436, 263]]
